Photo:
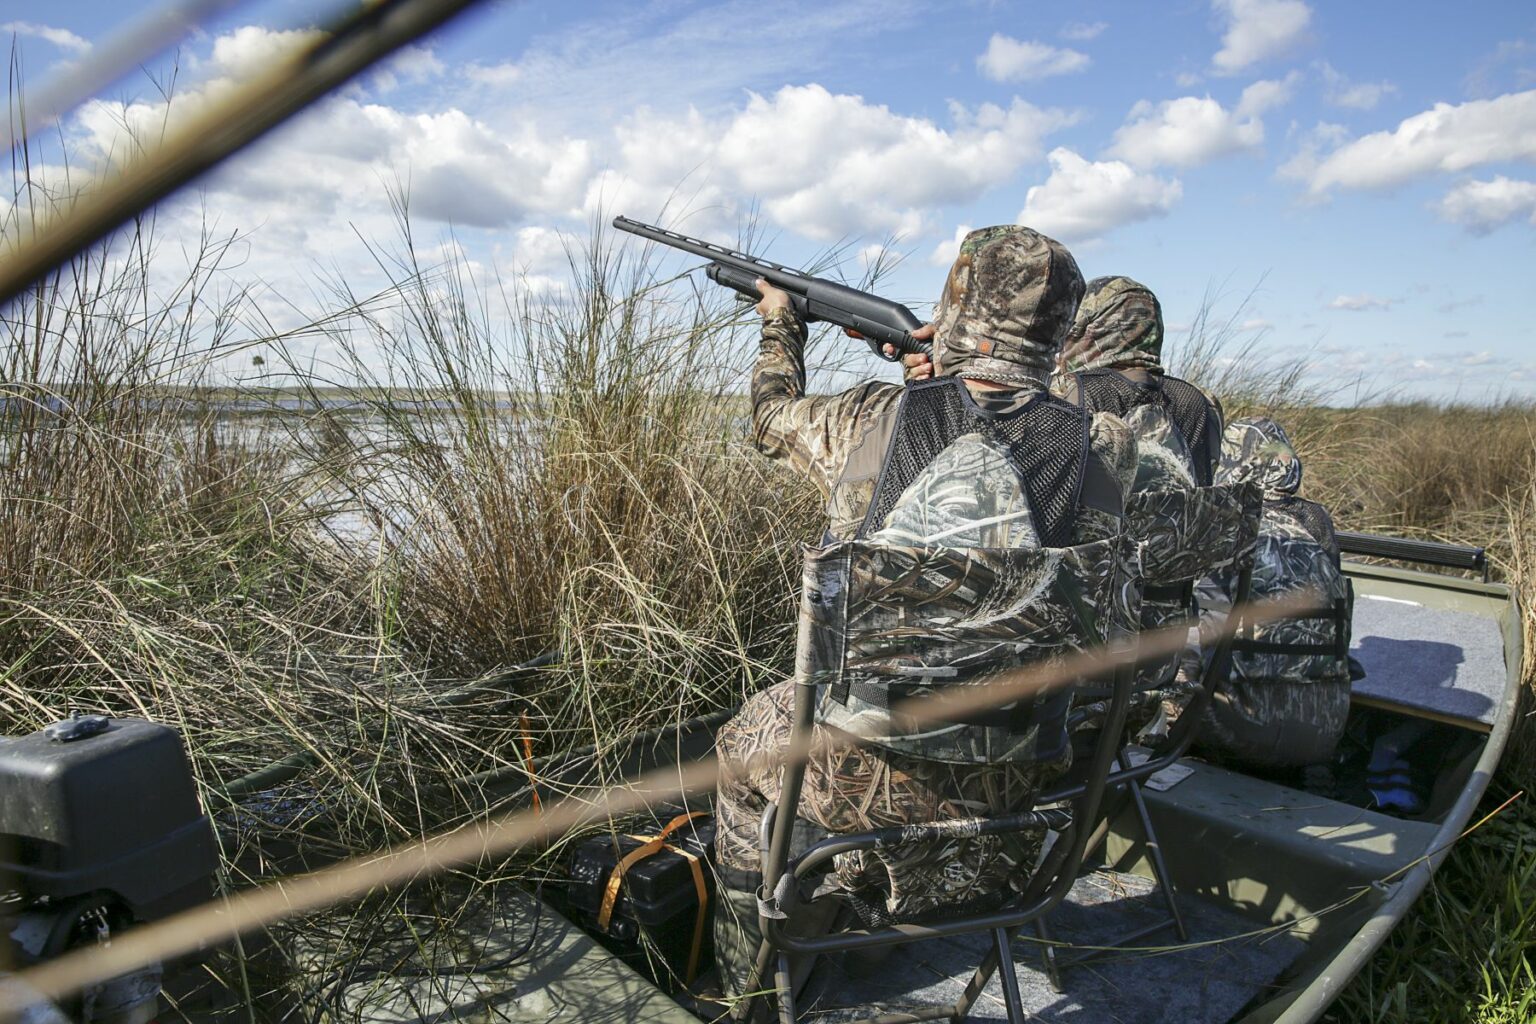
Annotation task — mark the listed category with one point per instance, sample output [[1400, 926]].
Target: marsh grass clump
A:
[[568, 472]]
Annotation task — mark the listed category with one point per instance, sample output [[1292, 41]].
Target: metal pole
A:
[[369, 34]]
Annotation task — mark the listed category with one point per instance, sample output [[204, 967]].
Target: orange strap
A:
[[699, 919], [533, 781], [650, 845]]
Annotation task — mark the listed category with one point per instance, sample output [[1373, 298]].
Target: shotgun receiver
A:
[[881, 321]]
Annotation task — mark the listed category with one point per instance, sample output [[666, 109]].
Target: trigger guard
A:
[[877, 348]]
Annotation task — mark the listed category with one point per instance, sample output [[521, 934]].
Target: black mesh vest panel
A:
[[1046, 439], [1313, 518], [1107, 390]]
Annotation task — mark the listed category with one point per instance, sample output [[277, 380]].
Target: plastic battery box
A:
[[657, 923]]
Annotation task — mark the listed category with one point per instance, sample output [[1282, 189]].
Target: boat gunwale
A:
[[1308, 1003]]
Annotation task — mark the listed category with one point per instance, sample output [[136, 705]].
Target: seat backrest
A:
[[1313, 642], [1184, 535], [883, 623]]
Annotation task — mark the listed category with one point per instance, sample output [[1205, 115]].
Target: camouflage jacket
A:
[[840, 441]]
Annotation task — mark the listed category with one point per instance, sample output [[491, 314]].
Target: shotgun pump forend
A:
[[881, 321]]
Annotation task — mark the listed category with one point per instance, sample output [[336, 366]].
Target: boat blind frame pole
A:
[[351, 45], [136, 45]]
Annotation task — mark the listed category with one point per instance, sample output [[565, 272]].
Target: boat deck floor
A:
[[1224, 965]]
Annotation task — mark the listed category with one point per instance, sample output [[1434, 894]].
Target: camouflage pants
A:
[[851, 789]]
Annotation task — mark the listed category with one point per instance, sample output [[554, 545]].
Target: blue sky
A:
[[1361, 172]]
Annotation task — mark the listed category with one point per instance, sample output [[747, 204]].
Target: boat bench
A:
[[1275, 853]]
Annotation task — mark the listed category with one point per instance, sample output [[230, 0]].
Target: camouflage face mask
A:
[[1006, 306], [1119, 325], [1257, 449]]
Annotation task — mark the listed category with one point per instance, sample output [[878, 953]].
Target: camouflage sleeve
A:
[[813, 433]]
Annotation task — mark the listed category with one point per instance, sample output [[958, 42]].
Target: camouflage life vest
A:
[[964, 568], [1289, 560], [1181, 405], [1285, 700], [966, 471]]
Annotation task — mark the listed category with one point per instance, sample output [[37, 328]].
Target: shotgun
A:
[[881, 321]]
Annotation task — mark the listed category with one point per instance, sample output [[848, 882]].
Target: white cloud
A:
[[1481, 206], [1257, 30], [411, 65], [342, 154], [839, 165], [540, 257], [1321, 138], [1342, 92], [945, 252], [1256, 324], [1013, 60], [1082, 200], [1446, 138], [1185, 132], [1267, 94], [1082, 31], [1360, 303], [63, 38], [250, 49]]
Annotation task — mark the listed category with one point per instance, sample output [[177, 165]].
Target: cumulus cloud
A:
[[839, 165], [346, 152], [251, 48], [1182, 133], [63, 38], [1082, 31], [1361, 303], [1192, 130], [1340, 91], [1446, 138], [1482, 206], [1012, 60], [1084, 199], [1267, 95], [1257, 30], [412, 65], [945, 252]]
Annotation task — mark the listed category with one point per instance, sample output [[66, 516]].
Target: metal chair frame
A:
[[1046, 889], [1131, 777]]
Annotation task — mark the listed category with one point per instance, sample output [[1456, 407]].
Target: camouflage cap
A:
[[1006, 306], [1257, 449], [1119, 325]]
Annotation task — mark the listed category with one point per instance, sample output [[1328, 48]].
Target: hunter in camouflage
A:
[[914, 613], [1119, 326], [1280, 709], [1006, 306], [1113, 360]]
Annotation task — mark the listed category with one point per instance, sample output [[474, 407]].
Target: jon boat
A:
[[1286, 893]]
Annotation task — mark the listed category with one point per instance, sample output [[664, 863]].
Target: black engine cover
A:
[[113, 809]]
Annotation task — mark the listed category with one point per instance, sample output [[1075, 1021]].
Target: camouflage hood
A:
[[1006, 307], [1257, 449], [1119, 325]]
